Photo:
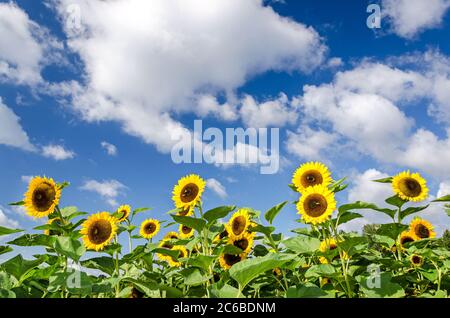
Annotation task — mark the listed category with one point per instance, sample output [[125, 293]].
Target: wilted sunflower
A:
[[186, 231], [98, 230], [187, 211], [243, 241], [123, 212], [50, 231], [416, 260], [42, 197], [316, 204], [188, 191], [329, 245], [182, 254], [406, 237], [228, 260], [410, 186], [239, 223], [421, 229], [149, 228], [311, 174]]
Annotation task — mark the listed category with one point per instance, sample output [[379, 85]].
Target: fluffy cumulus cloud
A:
[[367, 107], [364, 189], [110, 148], [308, 143], [6, 220], [166, 56], [411, 17], [217, 187], [57, 152], [11, 132], [25, 47], [109, 190]]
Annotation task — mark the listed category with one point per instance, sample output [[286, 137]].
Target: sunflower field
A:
[[229, 251]]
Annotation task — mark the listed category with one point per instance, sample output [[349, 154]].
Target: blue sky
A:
[[367, 102]]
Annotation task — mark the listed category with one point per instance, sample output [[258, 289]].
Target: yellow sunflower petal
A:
[[149, 228], [239, 223], [316, 204], [42, 197], [99, 230], [421, 229], [188, 191], [410, 186], [123, 212], [311, 174]]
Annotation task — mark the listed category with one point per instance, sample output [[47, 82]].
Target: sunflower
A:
[[42, 197], [171, 236], [228, 260], [316, 204], [149, 228], [123, 212], [238, 223], [421, 229], [187, 211], [311, 174], [188, 191], [220, 236], [416, 260], [243, 241], [182, 254], [98, 230], [410, 186], [329, 245], [165, 244], [406, 237], [51, 231], [185, 231]]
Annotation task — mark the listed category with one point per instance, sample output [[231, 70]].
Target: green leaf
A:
[[443, 199], [338, 186], [76, 282], [193, 277], [412, 210], [266, 230], [17, 203], [103, 263], [346, 217], [33, 240], [384, 180], [201, 261], [396, 201], [359, 205], [273, 212], [293, 187], [247, 270], [391, 230], [6, 231], [140, 210], [17, 266], [4, 293], [69, 247], [226, 291], [68, 211], [380, 286], [302, 245], [308, 291], [230, 249], [5, 249], [193, 223], [322, 270], [218, 213]]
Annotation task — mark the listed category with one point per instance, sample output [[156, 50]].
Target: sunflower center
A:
[[149, 228], [189, 193], [406, 239], [167, 245], [416, 259], [230, 259], [422, 231], [100, 231], [123, 214], [411, 187], [185, 229], [311, 178], [43, 197], [223, 234], [184, 212], [242, 244], [238, 225], [315, 205]]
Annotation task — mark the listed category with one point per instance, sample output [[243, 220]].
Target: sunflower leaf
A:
[[302, 245], [7, 231], [266, 230], [293, 187], [346, 217], [193, 223], [321, 270], [103, 263], [308, 291], [412, 210], [69, 247], [218, 213], [359, 205], [384, 180], [273, 212], [139, 210], [33, 240], [396, 201], [443, 199], [17, 203], [5, 249], [380, 286]]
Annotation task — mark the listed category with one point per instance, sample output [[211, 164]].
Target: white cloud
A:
[[109, 190], [208, 105], [110, 148], [309, 144], [11, 132], [217, 187], [272, 113], [6, 221], [26, 179], [164, 55], [25, 47], [57, 152], [411, 17]]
